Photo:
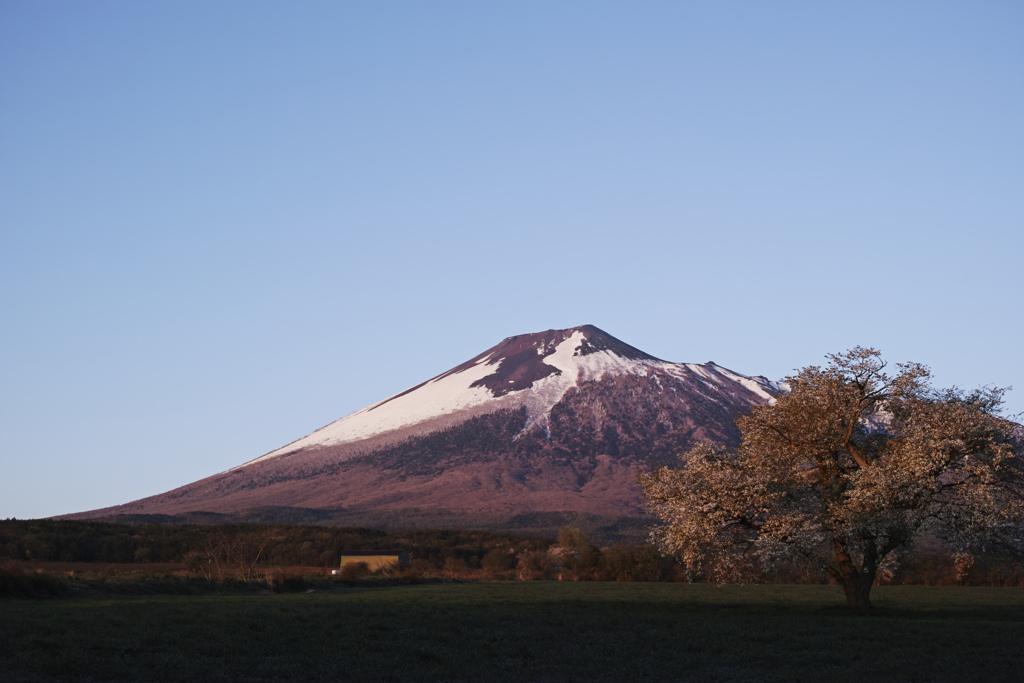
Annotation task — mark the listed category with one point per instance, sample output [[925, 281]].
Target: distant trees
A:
[[78, 541], [580, 560], [573, 540], [624, 562], [229, 555], [841, 475], [497, 561], [534, 565]]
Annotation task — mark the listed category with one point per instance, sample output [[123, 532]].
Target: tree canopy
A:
[[843, 473]]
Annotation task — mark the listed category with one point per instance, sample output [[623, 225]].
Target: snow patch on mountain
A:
[[445, 394], [747, 383]]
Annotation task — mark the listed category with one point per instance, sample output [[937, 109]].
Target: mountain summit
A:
[[542, 424]]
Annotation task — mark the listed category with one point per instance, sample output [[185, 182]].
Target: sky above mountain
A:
[[227, 224]]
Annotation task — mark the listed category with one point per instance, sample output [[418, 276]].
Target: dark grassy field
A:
[[543, 631]]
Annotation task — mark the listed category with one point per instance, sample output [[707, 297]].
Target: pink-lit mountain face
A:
[[540, 425]]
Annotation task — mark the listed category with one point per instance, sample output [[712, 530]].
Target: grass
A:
[[543, 631]]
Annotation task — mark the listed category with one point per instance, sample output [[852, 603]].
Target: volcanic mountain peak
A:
[[529, 370], [552, 423]]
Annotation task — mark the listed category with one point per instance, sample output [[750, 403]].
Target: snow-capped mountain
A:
[[551, 422], [534, 371]]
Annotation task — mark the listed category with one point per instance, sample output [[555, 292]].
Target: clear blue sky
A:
[[226, 224]]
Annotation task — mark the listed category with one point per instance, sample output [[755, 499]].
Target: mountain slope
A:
[[552, 422]]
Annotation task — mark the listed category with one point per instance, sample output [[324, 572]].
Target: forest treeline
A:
[[311, 546], [238, 550]]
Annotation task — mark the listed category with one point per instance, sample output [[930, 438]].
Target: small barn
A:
[[375, 559]]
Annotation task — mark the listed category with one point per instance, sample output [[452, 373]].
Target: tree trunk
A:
[[858, 590], [856, 582]]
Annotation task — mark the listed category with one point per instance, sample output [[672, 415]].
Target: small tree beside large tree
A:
[[842, 473]]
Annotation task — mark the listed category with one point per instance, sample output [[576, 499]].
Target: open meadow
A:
[[516, 631]]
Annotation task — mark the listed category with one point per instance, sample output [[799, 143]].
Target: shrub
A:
[[16, 583], [355, 571]]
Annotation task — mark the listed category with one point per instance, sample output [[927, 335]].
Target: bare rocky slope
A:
[[539, 431]]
